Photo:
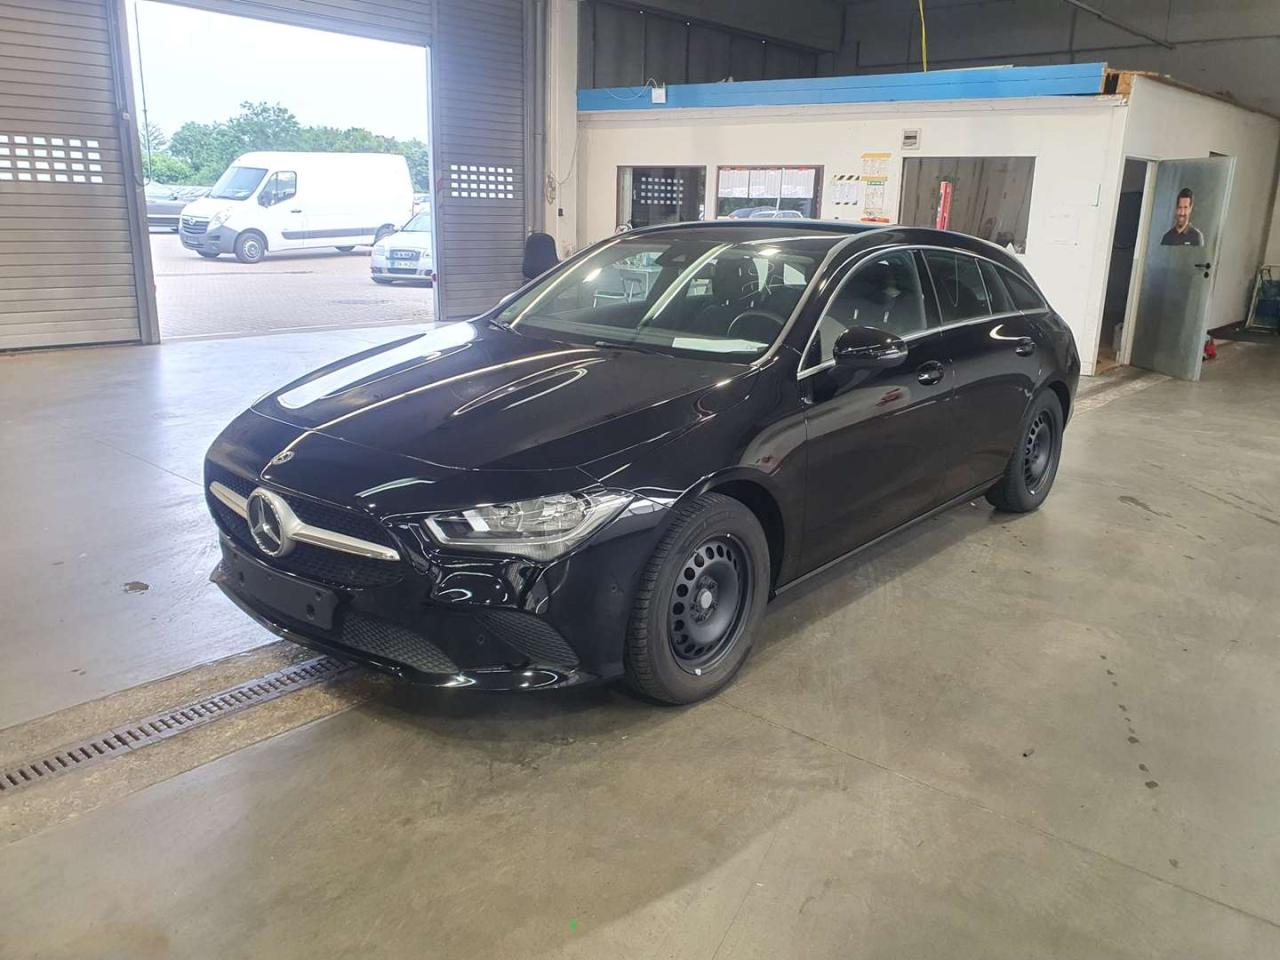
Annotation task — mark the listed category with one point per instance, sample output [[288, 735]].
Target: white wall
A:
[[1167, 123], [1076, 143], [561, 192]]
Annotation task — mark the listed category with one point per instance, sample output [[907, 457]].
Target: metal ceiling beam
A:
[[1119, 24]]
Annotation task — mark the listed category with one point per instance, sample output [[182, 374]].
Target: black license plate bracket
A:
[[300, 601]]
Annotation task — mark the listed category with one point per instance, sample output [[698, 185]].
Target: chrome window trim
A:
[[805, 372], [297, 530]]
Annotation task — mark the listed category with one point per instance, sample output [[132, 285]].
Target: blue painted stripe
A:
[[982, 83]]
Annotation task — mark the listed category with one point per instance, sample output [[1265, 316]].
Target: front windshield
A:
[[702, 292], [419, 224], [238, 183]]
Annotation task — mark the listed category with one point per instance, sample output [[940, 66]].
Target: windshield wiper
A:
[[617, 345]]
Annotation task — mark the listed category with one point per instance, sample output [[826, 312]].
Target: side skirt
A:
[[943, 508]]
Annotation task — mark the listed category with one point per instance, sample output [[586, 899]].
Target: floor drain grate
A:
[[161, 726]]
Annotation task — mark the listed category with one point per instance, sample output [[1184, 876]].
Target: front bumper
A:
[[217, 240], [420, 270]]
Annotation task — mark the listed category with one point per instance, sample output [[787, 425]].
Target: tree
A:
[[153, 138], [164, 168]]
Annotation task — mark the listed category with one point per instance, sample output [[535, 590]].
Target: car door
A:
[[877, 440], [283, 220], [995, 348]]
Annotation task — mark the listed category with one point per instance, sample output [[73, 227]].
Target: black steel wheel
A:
[[699, 598], [1034, 464]]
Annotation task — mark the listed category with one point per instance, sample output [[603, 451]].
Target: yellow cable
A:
[[924, 40]]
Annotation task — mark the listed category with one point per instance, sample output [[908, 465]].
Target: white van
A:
[[291, 201]]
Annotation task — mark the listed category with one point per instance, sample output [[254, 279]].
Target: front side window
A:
[[707, 293], [237, 183], [961, 293], [282, 186], [883, 292]]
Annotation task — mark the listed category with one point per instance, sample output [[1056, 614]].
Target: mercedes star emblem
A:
[[266, 525]]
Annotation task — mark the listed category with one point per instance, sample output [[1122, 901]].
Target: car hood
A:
[[207, 206], [475, 396], [410, 240]]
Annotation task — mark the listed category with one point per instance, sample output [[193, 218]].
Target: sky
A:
[[199, 66]]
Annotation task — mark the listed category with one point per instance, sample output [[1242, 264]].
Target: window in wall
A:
[[768, 193], [653, 195], [987, 197]]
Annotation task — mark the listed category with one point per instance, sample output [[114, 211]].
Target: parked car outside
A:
[[165, 202], [765, 213], [405, 254], [569, 489], [275, 201]]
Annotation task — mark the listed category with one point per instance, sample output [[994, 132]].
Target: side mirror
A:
[[866, 348], [266, 198]]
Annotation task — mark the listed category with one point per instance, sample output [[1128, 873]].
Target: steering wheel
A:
[[756, 324]]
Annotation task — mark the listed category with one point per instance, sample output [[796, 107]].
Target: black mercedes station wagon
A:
[[611, 472]]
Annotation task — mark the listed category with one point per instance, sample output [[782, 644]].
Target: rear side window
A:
[[1023, 294], [961, 293], [1001, 302]]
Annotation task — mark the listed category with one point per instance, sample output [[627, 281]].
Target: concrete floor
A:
[[1043, 736], [292, 290]]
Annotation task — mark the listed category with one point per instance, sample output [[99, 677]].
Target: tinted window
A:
[[883, 292], [1023, 294], [1001, 302], [961, 294]]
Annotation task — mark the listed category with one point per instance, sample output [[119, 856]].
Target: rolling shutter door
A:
[[67, 271], [401, 21], [478, 97]]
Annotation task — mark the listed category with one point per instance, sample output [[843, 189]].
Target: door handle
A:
[[1203, 266], [1025, 347], [930, 373], [299, 210]]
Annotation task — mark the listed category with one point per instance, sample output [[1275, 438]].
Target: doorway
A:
[[276, 187], [1124, 247]]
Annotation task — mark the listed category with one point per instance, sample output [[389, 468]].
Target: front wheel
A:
[[250, 248], [701, 595], [382, 280], [1029, 475], [208, 254]]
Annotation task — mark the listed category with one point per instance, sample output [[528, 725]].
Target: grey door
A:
[[1177, 273]]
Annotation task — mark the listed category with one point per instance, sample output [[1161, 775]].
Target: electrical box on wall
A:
[[659, 94], [911, 139]]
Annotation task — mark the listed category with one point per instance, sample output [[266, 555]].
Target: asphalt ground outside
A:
[[289, 291]]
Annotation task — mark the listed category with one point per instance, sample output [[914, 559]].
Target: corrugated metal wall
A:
[[67, 271], [478, 99]]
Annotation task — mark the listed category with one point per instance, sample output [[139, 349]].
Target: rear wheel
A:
[[250, 247], [701, 595], [1034, 464], [344, 249]]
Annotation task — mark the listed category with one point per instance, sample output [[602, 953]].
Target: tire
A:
[[251, 247], [1029, 476], [344, 249], [714, 546], [382, 280], [208, 254]]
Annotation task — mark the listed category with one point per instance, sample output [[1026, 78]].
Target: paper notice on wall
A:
[[875, 187], [1063, 229], [798, 182], [765, 184], [734, 182], [845, 190]]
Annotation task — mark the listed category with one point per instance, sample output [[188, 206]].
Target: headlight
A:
[[541, 529], [219, 218], [379, 249]]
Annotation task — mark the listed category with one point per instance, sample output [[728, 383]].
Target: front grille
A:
[[330, 567], [393, 642], [195, 225]]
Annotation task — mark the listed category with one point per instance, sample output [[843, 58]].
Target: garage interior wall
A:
[[69, 271], [1169, 123], [1076, 143]]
